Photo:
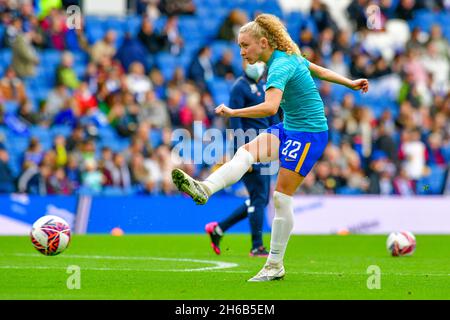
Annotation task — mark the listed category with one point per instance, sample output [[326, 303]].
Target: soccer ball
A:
[[50, 235], [401, 243]]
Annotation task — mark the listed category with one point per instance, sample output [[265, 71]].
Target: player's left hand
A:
[[360, 84], [224, 111]]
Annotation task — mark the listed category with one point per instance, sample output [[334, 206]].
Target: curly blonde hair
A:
[[270, 27]]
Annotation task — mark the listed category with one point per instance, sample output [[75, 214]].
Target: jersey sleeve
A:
[[305, 61], [280, 73]]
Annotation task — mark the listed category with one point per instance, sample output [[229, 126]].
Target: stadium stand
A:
[[406, 59]]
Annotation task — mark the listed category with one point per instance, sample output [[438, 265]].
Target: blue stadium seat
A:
[[217, 49], [20, 144], [60, 130], [155, 137], [167, 63], [51, 57], [118, 144], [11, 106], [107, 133], [93, 34], [44, 136], [133, 24], [5, 57], [433, 183]]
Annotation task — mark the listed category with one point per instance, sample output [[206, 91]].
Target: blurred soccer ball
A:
[[401, 243], [50, 235]]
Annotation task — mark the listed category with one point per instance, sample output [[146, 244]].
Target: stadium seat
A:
[[433, 183], [5, 57], [11, 106], [133, 24], [60, 130]]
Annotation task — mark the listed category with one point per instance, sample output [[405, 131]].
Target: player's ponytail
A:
[[270, 27]]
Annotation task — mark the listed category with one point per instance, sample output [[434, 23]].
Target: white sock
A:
[[230, 172], [282, 225]]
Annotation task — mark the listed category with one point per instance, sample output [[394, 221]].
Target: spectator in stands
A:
[[57, 99], [172, 33], [158, 82], [26, 114], [403, 185], [311, 186], [12, 31], [61, 152], [379, 182], [405, 9], [337, 63], [105, 47], [231, 25], [6, 175], [137, 82], [440, 43], [65, 74], [154, 111], [56, 32], [385, 143], [201, 69], [356, 12], [86, 101], [412, 153], [150, 38], [435, 152], [34, 179], [307, 39], [68, 114], [178, 79], [34, 153], [120, 174], [143, 133], [131, 51], [91, 177], [11, 87], [127, 123], [75, 139], [25, 58], [223, 68], [73, 172], [141, 175], [176, 7], [58, 183], [321, 16]]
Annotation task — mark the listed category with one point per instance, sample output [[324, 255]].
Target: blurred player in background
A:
[[298, 142], [248, 90]]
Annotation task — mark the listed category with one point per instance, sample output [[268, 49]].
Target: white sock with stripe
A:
[[230, 172], [282, 226]]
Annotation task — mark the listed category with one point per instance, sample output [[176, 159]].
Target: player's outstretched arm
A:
[[268, 108], [331, 76]]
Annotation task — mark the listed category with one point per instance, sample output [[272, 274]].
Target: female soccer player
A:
[[298, 142]]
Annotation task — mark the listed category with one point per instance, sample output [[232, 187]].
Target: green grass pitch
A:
[[183, 267]]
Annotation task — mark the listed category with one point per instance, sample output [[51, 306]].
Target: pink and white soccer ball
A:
[[401, 243], [50, 235]]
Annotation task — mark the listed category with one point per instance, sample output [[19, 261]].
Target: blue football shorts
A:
[[299, 150]]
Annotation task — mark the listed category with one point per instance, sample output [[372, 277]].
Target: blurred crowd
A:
[[386, 152]]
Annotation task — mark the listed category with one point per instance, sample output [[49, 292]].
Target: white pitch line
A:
[[218, 265]]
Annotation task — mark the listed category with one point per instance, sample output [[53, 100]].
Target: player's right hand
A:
[[224, 111]]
